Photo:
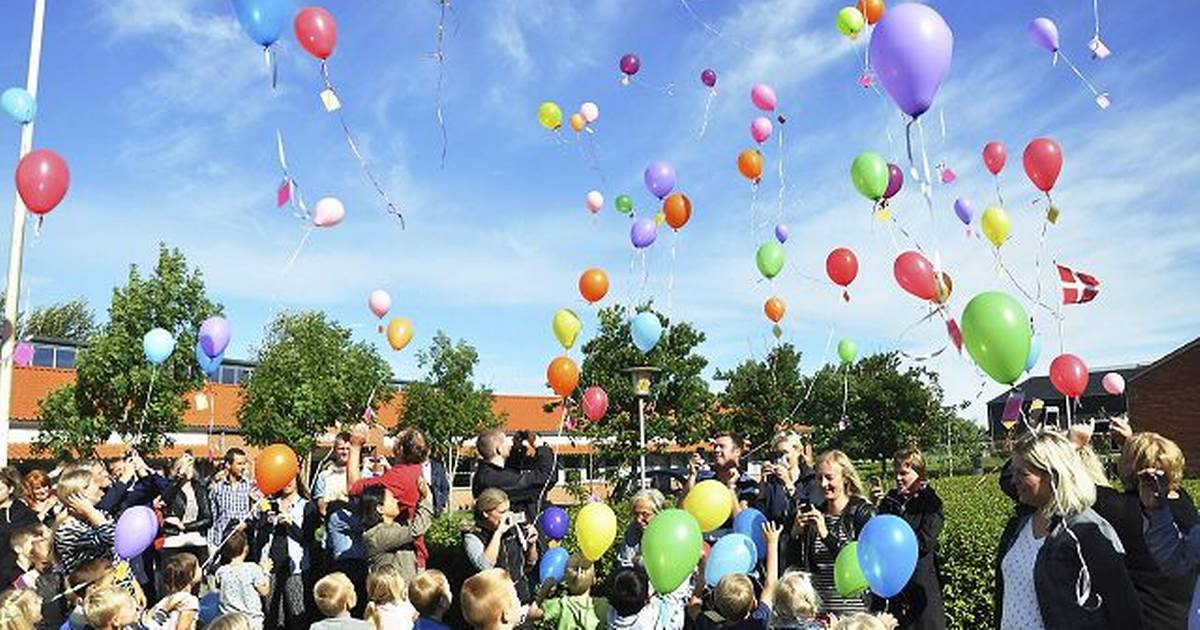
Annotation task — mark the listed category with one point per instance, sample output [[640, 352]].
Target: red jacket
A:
[[402, 480]]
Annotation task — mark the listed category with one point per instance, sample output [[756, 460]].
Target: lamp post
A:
[[642, 379]]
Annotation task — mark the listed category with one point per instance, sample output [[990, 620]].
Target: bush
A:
[[976, 511]]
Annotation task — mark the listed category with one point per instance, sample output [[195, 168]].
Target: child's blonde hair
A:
[[429, 592], [860, 621], [795, 597], [579, 575], [734, 597], [334, 594], [385, 585], [102, 606], [486, 596], [20, 609], [230, 621]]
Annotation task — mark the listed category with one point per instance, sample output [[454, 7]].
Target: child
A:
[[110, 608], [489, 601], [734, 598], [20, 610], [88, 578], [866, 621], [31, 548], [389, 608], [796, 604], [429, 592], [334, 595], [631, 606], [243, 585], [230, 621], [577, 610], [178, 608]]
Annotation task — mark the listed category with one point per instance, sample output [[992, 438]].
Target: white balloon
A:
[[590, 112]]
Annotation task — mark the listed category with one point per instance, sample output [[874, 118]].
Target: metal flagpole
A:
[[17, 246]]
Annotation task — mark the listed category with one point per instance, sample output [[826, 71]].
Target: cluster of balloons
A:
[[210, 346], [750, 161], [1043, 161], [875, 178], [852, 20], [882, 559], [399, 329], [550, 116]]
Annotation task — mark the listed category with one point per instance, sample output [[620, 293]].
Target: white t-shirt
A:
[[165, 614], [1021, 610], [400, 615]]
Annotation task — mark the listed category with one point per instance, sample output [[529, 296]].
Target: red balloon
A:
[[42, 180], [915, 275], [842, 266], [317, 31], [1043, 161], [1069, 375], [994, 157], [595, 402]]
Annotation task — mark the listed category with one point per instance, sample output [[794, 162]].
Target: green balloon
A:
[[770, 259], [997, 334], [847, 350], [869, 172], [624, 204], [849, 21], [847, 575], [671, 547]]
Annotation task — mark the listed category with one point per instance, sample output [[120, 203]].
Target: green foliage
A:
[[72, 320], [760, 395], [310, 377], [976, 511]]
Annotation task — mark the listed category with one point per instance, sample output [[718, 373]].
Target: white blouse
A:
[[1021, 610]]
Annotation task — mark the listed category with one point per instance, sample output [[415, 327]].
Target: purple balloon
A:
[[911, 49], [659, 178], [554, 523], [709, 77], [136, 530], [781, 233], [895, 181], [1044, 33], [962, 208], [630, 64], [214, 336], [643, 233]]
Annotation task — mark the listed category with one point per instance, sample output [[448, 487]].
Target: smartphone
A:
[[1051, 418]]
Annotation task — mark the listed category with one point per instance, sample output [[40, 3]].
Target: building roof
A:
[[1041, 387], [1184, 349]]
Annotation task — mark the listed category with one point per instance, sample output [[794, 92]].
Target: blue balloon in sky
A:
[[646, 329], [157, 345], [262, 20], [19, 104], [1035, 351]]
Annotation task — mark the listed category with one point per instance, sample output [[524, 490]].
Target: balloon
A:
[[553, 564], [871, 9], [566, 326], [914, 274], [623, 204], [1043, 162], [214, 335], [630, 64], [379, 302], [733, 554], [774, 308], [962, 209], [944, 286], [208, 365], [847, 575], [554, 523], [643, 232], [595, 403], [995, 225], [577, 122], [870, 175], [262, 20], [42, 180], [709, 77], [1114, 383], [994, 157], [328, 212], [550, 115], [136, 530], [782, 233], [763, 97], [1044, 34], [23, 354], [887, 553], [749, 523], [1035, 351], [595, 529], [760, 129], [275, 468], [399, 333], [847, 350], [157, 345], [317, 31], [19, 104], [750, 164], [659, 178], [590, 112], [594, 201], [645, 328], [850, 22], [563, 375], [770, 258], [593, 284], [710, 502], [677, 209], [1069, 375], [895, 181], [997, 334], [671, 547], [910, 52], [842, 266]]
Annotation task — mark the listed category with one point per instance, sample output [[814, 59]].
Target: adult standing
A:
[[14, 513], [726, 468], [39, 493], [83, 533], [522, 487], [281, 533], [643, 507], [403, 480], [187, 515], [920, 604], [497, 540], [231, 496], [388, 539], [789, 472], [343, 528]]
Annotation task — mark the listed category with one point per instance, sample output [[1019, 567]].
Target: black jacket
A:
[[523, 486], [854, 518], [920, 604], [175, 503]]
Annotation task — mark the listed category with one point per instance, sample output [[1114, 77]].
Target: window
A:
[[64, 358], [43, 356]]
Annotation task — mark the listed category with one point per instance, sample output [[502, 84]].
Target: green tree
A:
[[760, 396], [116, 390], [310, 377], [446, 403], [72, 320]]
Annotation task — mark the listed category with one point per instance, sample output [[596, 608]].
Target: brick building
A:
[[1165, 398]]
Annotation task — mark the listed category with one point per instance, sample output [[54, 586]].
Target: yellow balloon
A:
[[711, 503], [399, 333], [595, 529], [995, 225], [550, 115], [566, 327], [577, 122]]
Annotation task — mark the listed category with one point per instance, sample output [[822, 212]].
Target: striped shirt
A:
[[78, 543], [823, 580], [230, 503]]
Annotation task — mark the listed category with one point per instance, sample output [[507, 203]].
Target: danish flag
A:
[[1077, 287]]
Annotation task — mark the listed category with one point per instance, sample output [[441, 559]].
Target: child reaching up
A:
[[734, 598]]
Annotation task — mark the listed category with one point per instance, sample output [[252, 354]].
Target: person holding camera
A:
[[502, 538], [523, 478]]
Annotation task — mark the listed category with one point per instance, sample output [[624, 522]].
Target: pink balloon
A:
[[760, 129], [595, 403], [595, 201], [763, 96], [379, 302], [23, 354], [328, 212], [1114, 383]]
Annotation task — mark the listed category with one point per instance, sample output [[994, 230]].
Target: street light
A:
[[642, 379]]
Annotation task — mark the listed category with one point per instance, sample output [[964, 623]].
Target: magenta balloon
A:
[[659, 178], [895, 181], [763, 97], [630, 64], [911, 49], [709, 77], [1044, 34], [643, 233]]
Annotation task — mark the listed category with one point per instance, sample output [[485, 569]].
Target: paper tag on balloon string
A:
[[1052, 214], [1099, 50], [330, 100], [284, 193], [201, 402], [1103, 101]]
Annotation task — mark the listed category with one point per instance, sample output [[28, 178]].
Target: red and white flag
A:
[[1077, 287]]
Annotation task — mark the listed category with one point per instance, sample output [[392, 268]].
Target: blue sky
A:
[[163, 110]]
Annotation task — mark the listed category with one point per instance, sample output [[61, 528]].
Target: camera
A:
[[518, 518], [274, 505], [522, 437]]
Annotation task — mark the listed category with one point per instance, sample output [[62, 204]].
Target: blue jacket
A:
[[1177, 554]]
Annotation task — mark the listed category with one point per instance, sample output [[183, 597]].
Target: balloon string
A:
[[295, 196], [1038, 260], [594, 160], [711, 29], [708, 101], [782, 181], [671, 274], [439, 57], [296, 252], [927, 182], [272, 66], [845, 389], [1096, 16], [753, 210], [146, 407], [1079, 74], [1033, 300], [813, 382], [999, 197]]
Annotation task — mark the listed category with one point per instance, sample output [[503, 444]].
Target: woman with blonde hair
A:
[[187, 513], [498, 539], [83, 533], [20, 609]]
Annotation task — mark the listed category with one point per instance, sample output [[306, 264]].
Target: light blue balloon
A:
[[19, 104], [887, 554], [262, 20], [749, 522], [157, 345], [208, 365], [646, 329], [553, 565], [1035, 351], [733, 554]]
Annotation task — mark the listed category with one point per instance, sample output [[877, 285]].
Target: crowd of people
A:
[[352, 554]]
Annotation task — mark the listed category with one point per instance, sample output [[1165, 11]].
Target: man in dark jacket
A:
[[524, 487]]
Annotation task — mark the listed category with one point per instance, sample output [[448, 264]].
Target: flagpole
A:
[[16, 248]]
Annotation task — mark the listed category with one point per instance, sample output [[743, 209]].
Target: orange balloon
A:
[[399, 333], [944, 287], [774, 308], [563, 376], [871, 9], [577, 122], [275, 468], [593, 284], [750, 163], [678, 209]]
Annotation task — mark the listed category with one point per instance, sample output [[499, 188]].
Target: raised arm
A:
[[771, 532]]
